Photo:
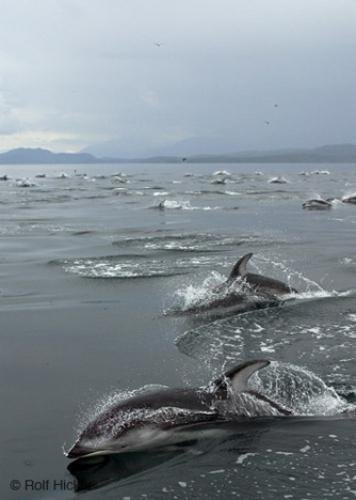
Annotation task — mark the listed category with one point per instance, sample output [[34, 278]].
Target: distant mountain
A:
[[135, 149], [197, 150], [39, 155], [195, 146], [338, 153], [115, 149]]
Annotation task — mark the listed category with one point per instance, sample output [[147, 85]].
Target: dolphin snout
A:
[[77, 450]]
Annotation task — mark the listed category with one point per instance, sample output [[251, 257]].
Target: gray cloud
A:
[[79, 73]]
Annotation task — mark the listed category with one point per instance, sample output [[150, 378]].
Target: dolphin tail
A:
[[239, 269], [239, 376]]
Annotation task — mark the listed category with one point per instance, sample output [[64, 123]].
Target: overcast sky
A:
[[137, 76]]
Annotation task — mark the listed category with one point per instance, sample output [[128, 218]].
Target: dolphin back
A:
[[269, 285], [257, 281]]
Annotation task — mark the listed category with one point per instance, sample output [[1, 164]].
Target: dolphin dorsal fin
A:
[[239, 269], [241, 374], [238, 377]]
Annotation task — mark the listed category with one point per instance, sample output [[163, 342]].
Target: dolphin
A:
[[278, 180], [349, 199], [265, 291], [317, 204], [261, 284], [156, 418]]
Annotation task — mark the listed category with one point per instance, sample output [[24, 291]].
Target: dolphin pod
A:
[[153, 419], [156, 418]]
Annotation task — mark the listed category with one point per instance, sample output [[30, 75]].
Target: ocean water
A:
[[98, 264]]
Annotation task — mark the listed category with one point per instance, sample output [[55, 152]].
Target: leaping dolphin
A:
[[155, 419], [256, 281], [265, 291], [317, 204], [349, 199]]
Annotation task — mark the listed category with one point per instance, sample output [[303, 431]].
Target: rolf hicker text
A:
[[43, 485]]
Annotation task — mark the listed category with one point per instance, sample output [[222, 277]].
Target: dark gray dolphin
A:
[[254, 291], [349, 199], [162, 417], [317, 204], [261, 284]]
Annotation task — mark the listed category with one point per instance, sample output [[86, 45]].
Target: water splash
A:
[[349, 197], [200, 242], [132, 266], [191, 295], [298, 389], [181, 205], [290, 275]]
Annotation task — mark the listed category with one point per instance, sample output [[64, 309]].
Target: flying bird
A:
[[158, 44]]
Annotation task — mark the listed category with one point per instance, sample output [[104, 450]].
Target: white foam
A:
[[182, 205], [191, 295], [232, 193], [298, 389], [349, 194], [222, 172], [25, 183], [305, 449], [291, 275], [243, 457], [278, 180]]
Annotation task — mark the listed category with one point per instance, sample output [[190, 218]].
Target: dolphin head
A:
[[80, 448], [140, 436], [127, 427], [93, 439], [86, 446], [135, 438], [110, 431]]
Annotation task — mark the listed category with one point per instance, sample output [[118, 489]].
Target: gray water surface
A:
[[90, 272]]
